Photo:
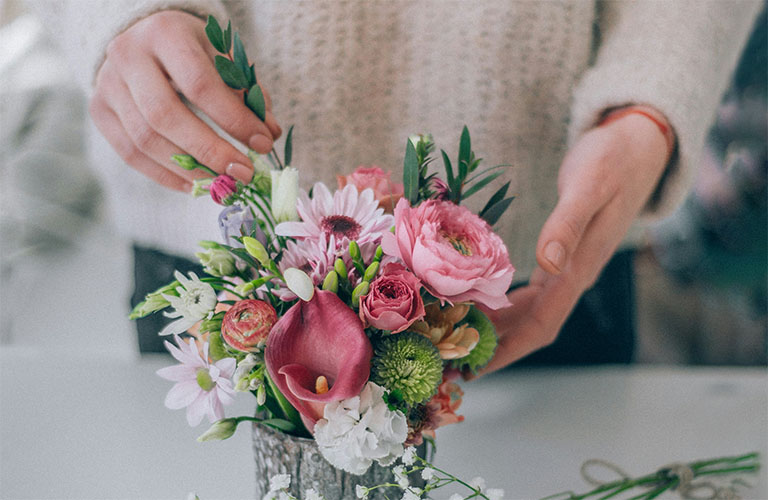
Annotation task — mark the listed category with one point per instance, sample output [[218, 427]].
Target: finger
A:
[[195, 75], [581, 198], [169, 117], [114, 132], [144, 137]]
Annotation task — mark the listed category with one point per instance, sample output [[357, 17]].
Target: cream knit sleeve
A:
[[84, 28], [675, 56]]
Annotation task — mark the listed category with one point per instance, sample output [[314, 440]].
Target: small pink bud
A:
[[222, 188]]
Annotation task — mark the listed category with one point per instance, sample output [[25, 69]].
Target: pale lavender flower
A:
[[203, 388], [237, 220]]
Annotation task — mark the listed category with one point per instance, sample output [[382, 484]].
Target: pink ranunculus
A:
[[454, 253], [322, 337], [222, 188], [247, 323], [393, 301], [386, 192]]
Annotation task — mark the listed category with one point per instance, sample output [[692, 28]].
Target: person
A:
[[601, 106]]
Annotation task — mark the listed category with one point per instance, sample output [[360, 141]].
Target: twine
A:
[[596, 462]]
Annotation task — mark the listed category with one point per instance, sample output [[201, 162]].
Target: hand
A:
[[137, 106], [604, 182]]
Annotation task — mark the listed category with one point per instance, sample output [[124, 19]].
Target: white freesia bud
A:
[[223, 429], [299, 283], [285, 192]]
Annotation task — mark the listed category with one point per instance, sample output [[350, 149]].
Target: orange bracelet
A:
[[647, 112]]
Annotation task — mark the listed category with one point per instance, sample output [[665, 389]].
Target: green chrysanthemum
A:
[[486, 346], [407, 362]]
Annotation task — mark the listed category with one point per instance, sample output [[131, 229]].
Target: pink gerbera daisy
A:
[[346, 215], [314, 257], [202, 387]]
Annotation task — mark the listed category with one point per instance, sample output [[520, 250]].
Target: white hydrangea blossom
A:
[[494, 493], [359, 430], [312, 494], [428, 473], [456, 496], [412, 494], [478, 483], [400, 476], [409, 456]]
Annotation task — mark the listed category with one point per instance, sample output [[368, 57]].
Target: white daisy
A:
[[196, 299], [202, 387]]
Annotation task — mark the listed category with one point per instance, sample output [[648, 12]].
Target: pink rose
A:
[[386, 192], [247, 324], [454, 253], [222, 188], [393, 301]]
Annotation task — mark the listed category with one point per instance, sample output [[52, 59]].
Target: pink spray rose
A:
[[454, 253], [222, 188], [393, 301], [247, 323], [386, 192], [318, 353]]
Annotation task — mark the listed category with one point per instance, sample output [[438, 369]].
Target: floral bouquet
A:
[[347, 314]]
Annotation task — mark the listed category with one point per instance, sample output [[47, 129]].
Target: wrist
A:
[[649, 113]]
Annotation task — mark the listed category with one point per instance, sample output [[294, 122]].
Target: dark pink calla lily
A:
[[322, 337]]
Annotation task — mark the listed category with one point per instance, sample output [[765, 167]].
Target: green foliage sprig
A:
[[418, 183]]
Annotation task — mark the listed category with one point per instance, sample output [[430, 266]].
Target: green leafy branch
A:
[[234, 68], [418, 184]]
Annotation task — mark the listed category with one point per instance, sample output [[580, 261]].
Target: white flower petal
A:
[[299, 283], [177, 373], [182, 394], [197, 409]]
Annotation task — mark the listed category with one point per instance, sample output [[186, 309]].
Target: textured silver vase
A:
[[279, 453]]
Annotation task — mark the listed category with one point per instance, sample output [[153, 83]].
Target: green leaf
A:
[[289, 412], [279, 424], [241, 60], [497, 196], [448, 171], [230, 73], [486, 346], [215, 35], [492, 215], [477, 186], [465, 152], [288, 151], [228, 37], [255, 101], [252, 71], [411, 174]]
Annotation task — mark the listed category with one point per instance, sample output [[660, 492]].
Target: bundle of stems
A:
[[682, 478]]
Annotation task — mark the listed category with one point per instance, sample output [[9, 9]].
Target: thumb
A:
[[565, 227]]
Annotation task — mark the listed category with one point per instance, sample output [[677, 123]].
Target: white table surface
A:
[[85, 428]]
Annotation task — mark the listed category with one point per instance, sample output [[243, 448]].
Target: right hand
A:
[[137, 106]]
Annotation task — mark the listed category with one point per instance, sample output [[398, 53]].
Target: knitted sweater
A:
[[357, 78]]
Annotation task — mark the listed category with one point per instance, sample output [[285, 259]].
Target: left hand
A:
[[603, 184]]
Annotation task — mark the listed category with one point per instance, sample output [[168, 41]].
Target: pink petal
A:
[[182, 394], [197, 409], [177, 373]]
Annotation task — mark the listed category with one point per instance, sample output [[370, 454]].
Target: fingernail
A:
[[260, 143], [555, 254], [240, 172]]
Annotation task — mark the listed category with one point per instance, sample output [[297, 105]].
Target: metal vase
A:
[[279, 453]]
